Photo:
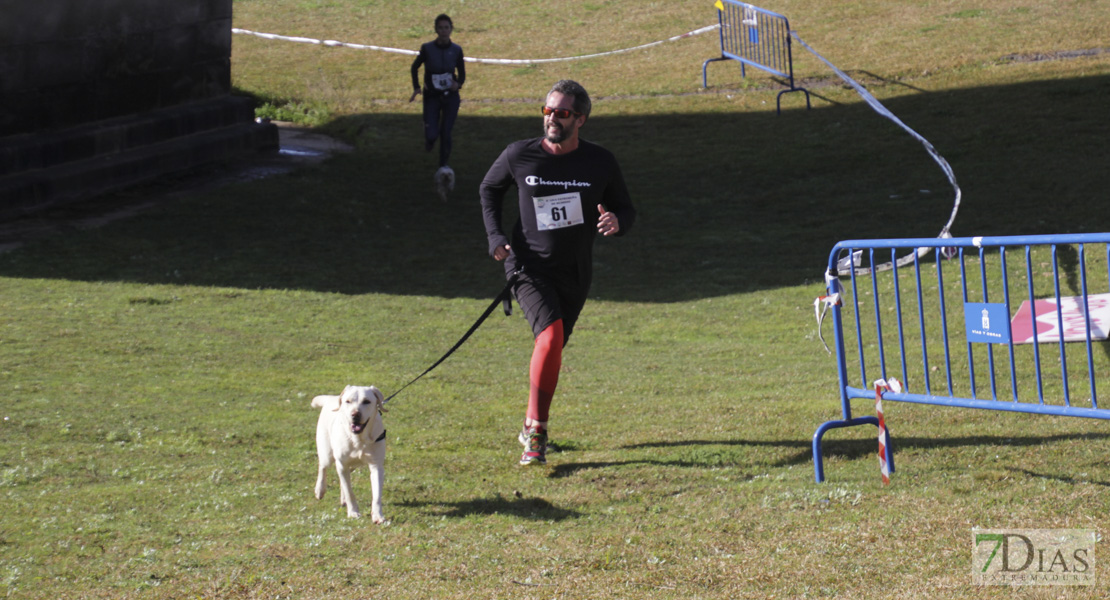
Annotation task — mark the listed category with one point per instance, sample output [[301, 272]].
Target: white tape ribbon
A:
[[891, 384], [848, 262], [947, 168], [491, 61], [882, 110], [820, 307]]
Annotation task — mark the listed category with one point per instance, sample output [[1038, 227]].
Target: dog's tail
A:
[[323, 401]]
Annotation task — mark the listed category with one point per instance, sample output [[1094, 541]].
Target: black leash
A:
[[505, 296]]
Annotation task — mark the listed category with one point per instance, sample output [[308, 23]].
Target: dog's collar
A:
[[380, 437], [381, 410]]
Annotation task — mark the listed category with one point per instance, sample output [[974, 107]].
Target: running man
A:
[[568, 191], [444, 75]]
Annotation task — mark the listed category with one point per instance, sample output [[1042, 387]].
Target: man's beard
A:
[[557, 137]]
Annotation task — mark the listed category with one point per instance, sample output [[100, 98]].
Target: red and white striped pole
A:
[[896, 387]]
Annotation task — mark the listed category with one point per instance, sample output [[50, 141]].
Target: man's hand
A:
[[502, 252], [414, 94], [607, 223]]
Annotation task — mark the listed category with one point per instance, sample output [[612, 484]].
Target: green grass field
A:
[[156, 439]]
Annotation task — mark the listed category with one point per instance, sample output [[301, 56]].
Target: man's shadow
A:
[[845, 449]]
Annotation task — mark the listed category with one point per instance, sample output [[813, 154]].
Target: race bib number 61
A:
[[556, 212]]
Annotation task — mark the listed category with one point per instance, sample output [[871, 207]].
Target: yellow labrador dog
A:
[[350, 432]]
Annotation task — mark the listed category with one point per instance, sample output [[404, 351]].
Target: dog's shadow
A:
[[533, 509]]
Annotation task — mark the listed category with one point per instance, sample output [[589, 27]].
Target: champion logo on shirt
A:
[[535, 180]]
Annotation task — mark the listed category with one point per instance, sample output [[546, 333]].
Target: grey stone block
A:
[[95, 94]]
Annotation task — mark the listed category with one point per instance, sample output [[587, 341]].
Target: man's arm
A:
[[494, 186], [618, 203]]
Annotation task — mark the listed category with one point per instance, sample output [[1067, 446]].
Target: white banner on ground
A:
[[1070, 312]]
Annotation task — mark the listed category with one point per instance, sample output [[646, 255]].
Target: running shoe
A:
[[534, 440], [522, 437]]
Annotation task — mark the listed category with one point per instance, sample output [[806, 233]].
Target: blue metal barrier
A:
[[757, 37], [940, 338]]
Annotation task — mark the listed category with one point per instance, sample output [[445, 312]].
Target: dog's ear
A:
[[378, 394], [339, 399]]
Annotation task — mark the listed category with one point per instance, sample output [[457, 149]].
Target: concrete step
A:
[[50, 168], [71, 181], [46, 149]]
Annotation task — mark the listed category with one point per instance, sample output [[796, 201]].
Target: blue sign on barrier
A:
[[987, 323]]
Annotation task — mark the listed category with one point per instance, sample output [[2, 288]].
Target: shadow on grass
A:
[[847, 449], [1067, 480], [567, 469], [534, 509], [852, 449], [729, 202]]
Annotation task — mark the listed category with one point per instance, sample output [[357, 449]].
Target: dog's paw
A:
[[377, 518], [353, 514]]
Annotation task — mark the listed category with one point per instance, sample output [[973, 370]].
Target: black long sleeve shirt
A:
[[557, 197], [441, 65]]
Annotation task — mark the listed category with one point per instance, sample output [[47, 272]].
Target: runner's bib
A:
[[443, 81], [559, 211]]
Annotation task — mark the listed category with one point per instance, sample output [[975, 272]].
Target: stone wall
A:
[[96, 79], [67, 62]]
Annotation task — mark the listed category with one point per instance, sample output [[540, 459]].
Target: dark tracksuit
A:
[[442, 64]]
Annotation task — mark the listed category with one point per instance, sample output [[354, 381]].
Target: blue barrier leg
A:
[[818, 457], [778, 101], [704, 66]]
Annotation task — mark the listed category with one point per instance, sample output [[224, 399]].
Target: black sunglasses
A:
[[560, 113]]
